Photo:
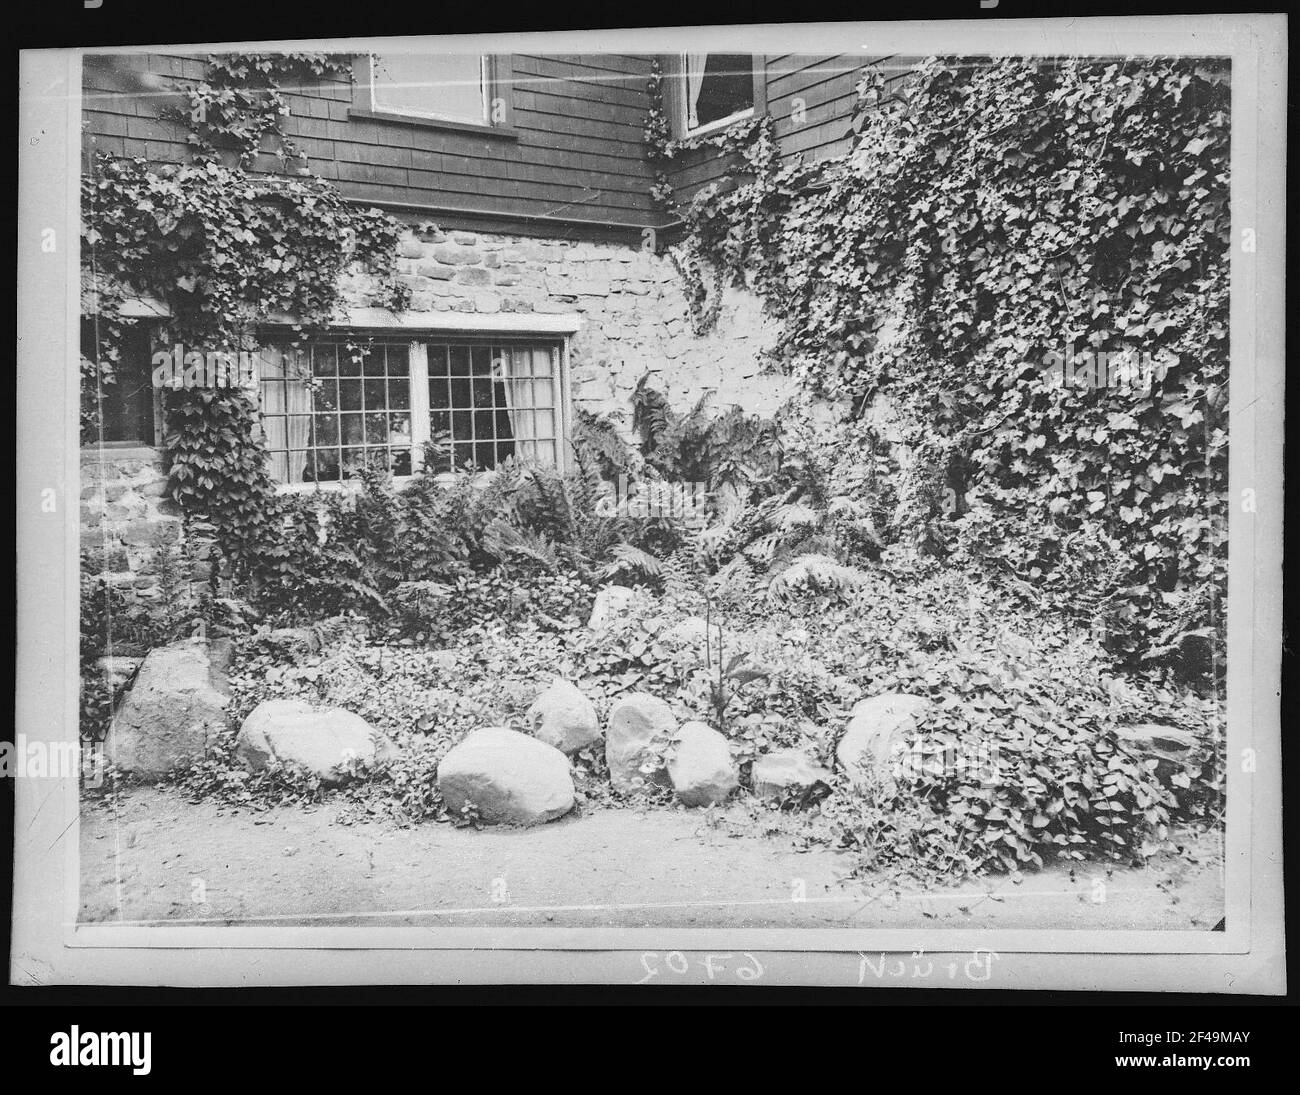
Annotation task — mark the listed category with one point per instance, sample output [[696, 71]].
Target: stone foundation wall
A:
[[636, 318], [129, 526]]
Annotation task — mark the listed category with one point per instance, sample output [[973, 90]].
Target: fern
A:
[[815, 573], [503, 541], [628, 561], [598, 446], [792, 516]]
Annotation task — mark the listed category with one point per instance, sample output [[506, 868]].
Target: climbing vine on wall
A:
[[225, 248], [241, 102], [1030, 260], [729, 225]]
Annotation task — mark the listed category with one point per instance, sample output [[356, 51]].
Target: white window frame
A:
[[421, 422], [714, 126], [485, 96]]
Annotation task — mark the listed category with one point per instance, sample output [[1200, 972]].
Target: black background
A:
[[985, 1039]]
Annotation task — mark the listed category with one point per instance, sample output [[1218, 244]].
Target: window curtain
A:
[[520, 401], [297, 399], [287, 407], [695, 63]]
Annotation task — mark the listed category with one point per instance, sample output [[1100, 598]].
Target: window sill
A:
[[120, 450], [354, 486], [336, 486], [494, 132], [713, 128]]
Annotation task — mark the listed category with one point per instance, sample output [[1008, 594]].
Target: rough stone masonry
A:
[[636, 317], [636, 321]]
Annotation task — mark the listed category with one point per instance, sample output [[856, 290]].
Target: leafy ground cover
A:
[[1019, 764]]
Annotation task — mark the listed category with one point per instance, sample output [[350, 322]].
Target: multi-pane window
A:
[[332, 408], [494, 401], [719, 87], [453, 87]]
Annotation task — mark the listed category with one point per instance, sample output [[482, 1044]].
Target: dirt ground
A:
[[153, 857]]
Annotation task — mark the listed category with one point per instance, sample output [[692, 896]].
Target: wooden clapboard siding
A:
[[823, 86], [574, 150]]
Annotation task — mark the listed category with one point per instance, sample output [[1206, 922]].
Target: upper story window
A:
[[718, 89], [439, 86], [335, 406]]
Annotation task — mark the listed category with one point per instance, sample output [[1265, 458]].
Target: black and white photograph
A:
[[657, 495]]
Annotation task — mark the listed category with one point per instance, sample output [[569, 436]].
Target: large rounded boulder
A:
[[877, 731], [508, 777], [326, 742]]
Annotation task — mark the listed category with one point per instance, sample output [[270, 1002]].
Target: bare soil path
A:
[[151, 856]]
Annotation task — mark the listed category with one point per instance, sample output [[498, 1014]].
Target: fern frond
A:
[[502, 541], [818, 573], [629, 560], [795, 515], [843, 506]]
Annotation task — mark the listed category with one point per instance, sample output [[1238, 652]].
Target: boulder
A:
[[787, 772], [641, 727], [509, 777], [118, 669], [701, 768], [173, 712], [1172, 747], [691, 631], [878, 728], [611, 603], [323, 741], [564, 718]]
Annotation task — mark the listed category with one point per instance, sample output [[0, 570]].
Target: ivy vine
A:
[[224, 248], [727, 225], [989, 216]]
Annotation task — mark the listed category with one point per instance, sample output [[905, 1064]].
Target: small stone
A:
[[701, 767], [454, 255], [118, 668], [1171, 747], [611, 602], [436, 270], [692, 631], [784, 772]]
